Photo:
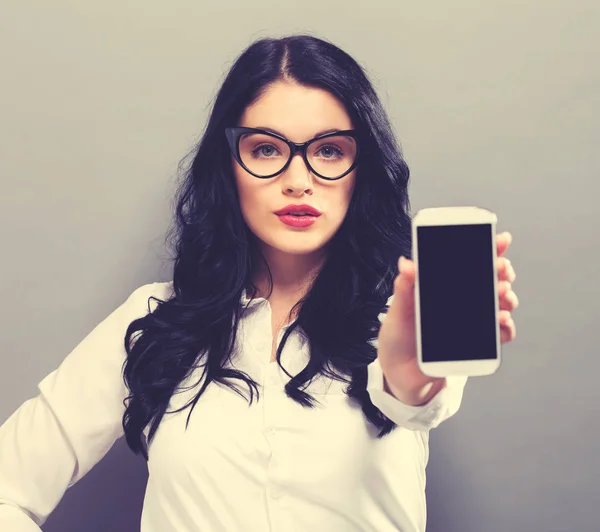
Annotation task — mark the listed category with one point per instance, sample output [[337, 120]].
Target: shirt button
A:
[[276, 492], [271, 431]]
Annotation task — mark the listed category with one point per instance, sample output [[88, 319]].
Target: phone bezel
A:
[[435, 216]]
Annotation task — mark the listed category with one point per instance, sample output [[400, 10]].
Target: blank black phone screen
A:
[[456, 291]]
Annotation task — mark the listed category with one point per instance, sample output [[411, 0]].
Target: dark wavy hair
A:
[[215, 250]]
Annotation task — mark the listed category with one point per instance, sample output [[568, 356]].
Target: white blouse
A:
[[273, 466]]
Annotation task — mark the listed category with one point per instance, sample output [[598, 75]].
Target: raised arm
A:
[[425, 417]]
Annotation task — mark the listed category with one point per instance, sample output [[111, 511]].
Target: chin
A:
[[298, 249], [287, 245]]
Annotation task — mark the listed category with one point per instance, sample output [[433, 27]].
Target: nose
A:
[[297, 175]]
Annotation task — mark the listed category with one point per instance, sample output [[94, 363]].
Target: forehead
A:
[[297, 111]]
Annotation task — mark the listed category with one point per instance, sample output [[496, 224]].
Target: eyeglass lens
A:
[[265, 155]]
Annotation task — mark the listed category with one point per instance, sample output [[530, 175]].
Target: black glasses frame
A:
[[234, 134]]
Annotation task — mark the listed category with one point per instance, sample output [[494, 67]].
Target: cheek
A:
[[346, 194], [251, 201], [339, 202], [245, 191], [350, 191]]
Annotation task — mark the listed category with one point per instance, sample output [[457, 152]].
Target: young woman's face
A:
[[298, 113]]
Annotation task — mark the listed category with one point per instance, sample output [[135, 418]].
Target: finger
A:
[[503, 241], [403, 305], [508, 332], [506, 272], [504, 317], [509, 301], [504, 287], [407, 268]]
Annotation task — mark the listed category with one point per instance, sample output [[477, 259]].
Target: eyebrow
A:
[[324, 132]]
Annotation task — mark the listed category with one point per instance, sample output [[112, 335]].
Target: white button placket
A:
[[273, 410]]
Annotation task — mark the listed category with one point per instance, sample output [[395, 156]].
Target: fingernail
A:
[[400, 262]]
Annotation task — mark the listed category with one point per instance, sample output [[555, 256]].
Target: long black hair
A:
[[215, 250]]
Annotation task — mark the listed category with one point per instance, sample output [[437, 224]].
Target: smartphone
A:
[[456, 291]]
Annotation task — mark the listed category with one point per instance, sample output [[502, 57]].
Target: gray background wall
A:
[[495, 103]]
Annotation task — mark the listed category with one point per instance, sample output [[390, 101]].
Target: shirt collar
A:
[[247, 303]]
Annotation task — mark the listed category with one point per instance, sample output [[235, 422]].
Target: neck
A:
[[292, 275]]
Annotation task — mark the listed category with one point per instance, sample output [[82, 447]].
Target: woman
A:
[[336, 438]]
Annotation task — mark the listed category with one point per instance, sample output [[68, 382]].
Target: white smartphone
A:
[[456, 291]]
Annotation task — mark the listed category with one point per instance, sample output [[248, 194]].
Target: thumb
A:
[[404, 289]]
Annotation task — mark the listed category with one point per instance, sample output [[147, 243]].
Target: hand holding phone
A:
[[430, 331], [456, 291]]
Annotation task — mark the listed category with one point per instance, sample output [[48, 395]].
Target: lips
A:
[[299, 210]]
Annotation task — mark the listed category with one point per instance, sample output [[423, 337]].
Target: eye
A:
[[265, 150], [329, 151]]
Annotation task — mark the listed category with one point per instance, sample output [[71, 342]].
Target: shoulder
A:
[[159, 290], [141, 296]]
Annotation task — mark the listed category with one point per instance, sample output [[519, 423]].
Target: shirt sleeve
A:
[[442, 406], [52, 440]]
